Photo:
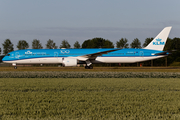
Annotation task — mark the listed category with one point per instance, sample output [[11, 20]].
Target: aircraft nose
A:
[[4, 58]]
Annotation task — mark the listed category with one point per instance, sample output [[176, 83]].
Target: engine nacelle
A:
[[69, 62]]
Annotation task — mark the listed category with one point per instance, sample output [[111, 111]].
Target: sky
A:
[[80, 20]]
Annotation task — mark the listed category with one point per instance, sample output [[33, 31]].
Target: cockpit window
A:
[[8, 54]]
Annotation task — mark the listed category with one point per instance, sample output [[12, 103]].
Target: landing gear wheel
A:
[[15, 67], [88, 67]]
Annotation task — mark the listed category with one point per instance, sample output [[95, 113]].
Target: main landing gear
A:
[[88, 67]]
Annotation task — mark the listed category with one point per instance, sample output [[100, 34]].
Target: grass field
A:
[[95, 69], [90, 98]]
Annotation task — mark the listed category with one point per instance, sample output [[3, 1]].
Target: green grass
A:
[[90, 98], [175, 64], [55, 74]]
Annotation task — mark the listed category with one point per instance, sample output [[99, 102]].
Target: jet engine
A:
[[69, 62]]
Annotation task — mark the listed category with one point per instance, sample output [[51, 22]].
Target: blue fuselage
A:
[[30, 54]]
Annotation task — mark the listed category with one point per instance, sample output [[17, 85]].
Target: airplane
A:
[[72, 57]]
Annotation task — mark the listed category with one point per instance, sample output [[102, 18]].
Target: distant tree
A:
[[0, 50], [97, 43], [176, 44], [169, 45], [175, 47], [108, 44], [122, 43], [136, 43], [147, 41], [77, 45], [65, 44], [36, 44], [86, 43], [22, 44], [7, 46], [51, 45]]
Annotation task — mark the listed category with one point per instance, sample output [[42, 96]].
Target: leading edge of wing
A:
[[94, 55]]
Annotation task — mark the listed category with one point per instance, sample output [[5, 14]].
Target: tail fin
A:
[[159, 41]]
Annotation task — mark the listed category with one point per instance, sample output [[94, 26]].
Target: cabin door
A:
[[141, 53], [56, 54], [17, 55], [56, 57]]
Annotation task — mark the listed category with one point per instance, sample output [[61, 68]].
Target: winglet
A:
[[159, 41]]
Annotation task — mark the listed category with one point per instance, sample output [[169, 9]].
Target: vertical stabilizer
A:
[[159, 41]]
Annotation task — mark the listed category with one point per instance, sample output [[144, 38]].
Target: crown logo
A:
[[158, 39]]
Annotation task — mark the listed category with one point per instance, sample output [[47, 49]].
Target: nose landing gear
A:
[[14, 64]]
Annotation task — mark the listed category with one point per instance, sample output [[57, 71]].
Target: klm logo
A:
[[158, 42]]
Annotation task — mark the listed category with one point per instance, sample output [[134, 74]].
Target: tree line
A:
[[90, 43], [171, 45]]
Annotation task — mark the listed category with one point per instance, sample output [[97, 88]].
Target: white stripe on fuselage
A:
[[50, 60], [124, 59]]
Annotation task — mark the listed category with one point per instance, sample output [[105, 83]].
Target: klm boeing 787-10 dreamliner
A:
[[72, 57]]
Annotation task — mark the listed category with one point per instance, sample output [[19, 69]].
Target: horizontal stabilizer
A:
[[163, 53]]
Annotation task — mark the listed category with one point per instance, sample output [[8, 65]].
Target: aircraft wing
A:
[[94, 55]]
